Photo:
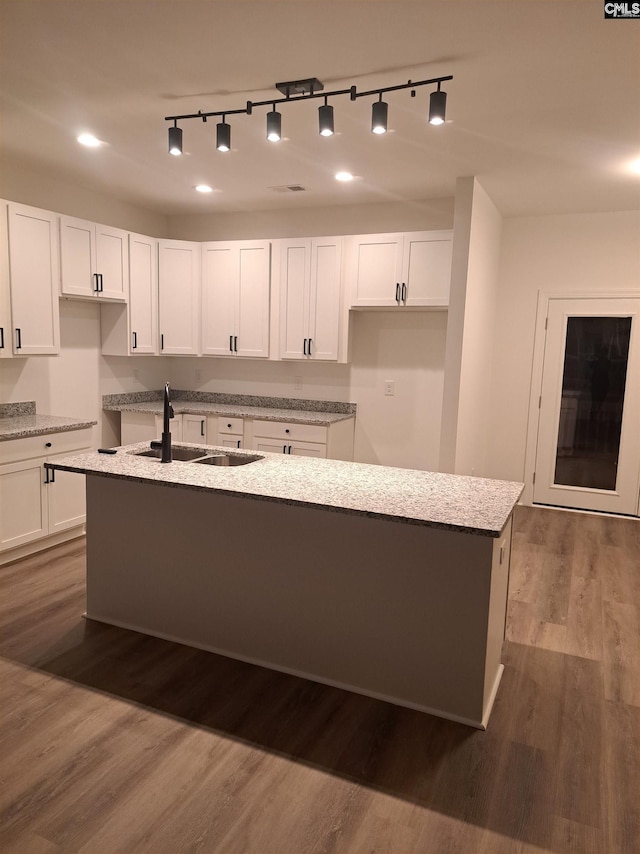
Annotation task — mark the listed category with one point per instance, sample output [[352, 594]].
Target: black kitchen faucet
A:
[[165, 444]]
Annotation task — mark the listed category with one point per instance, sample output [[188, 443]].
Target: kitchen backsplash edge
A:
[[113, 400], [14, 410]]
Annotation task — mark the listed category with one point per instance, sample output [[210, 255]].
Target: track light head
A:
[[325, 120], [437, 107], [379, 116], [175, 140], [274, 125], [223, 136]]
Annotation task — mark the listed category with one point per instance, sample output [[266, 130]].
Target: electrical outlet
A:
[[297, 383], [389, 387]]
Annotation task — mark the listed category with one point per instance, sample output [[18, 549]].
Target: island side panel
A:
[[393, 610]]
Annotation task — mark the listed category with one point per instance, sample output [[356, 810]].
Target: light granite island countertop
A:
[[20, 420], [388, 582]]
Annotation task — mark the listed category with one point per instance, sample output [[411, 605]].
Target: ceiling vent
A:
[[289, 188]]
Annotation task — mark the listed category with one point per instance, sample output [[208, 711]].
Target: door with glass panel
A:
[[588, 452]]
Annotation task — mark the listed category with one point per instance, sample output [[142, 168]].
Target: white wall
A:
[[590, 253], [470, 341]]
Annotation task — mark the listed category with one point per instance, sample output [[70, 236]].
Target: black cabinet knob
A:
[[47, 444]]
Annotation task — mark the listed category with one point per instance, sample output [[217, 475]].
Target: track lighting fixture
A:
[[301, 90], [274, 125], [325, 119], [223, 136], [437, 106], [175, 139], [379, 116]]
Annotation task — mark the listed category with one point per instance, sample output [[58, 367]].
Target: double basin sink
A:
[[197, 455]]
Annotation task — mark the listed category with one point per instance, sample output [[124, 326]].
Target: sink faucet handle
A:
[[171, 414]]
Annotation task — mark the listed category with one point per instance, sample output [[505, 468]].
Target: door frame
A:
[[533, 417]]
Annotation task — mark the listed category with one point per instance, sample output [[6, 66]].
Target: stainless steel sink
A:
[[228, 459], [180, 454]]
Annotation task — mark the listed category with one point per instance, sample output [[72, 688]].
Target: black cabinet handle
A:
[[304, 347], [284, 449], [50, 476], [289, 451], [47, 444], [53, 476], [1, 337], [397, 291], [162, 342], [286, 430], [235, 343], [96, 286], [238, 443], [135, 341], [46, 476], [202, 427], [229, 426], [18, 338], [404, 292], [101, 283], [309, 346], [231, 343]]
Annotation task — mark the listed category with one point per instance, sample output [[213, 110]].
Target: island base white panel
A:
[[396, 611]]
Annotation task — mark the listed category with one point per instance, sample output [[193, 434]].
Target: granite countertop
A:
[[322, 413], [18, 420], [468, 504]]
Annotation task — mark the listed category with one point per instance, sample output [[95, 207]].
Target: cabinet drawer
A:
[[230, 425], [290, 432], [45, 445]]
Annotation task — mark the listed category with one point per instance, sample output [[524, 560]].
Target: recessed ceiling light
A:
[[344, 176], [204, 188], [89, 140]]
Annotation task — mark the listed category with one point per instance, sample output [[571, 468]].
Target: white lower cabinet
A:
[[147, 427], [304, 440], [35, 502], [194, 428], [226, 432]]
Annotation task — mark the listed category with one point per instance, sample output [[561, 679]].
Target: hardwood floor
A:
[[117, 743]]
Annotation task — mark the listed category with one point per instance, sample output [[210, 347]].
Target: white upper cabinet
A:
[[5, 300], [236, 283], [179, 297], [93, 260], [412, 269], [312, 315], [132, 329], [34, 274]]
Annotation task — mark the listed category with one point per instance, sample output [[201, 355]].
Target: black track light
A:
[[437, 107], [223, 136], [274, 125], [325, 119], [379, 116], [175, 140]]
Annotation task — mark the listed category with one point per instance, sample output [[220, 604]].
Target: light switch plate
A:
[[389, 387]]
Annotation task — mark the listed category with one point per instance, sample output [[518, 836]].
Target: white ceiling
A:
[[544, 107]]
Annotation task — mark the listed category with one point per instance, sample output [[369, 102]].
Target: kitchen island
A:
[[388, 582]]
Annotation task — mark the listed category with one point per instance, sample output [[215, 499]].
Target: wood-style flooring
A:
[[117, 743]]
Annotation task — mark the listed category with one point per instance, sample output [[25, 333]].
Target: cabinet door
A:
[[295, 274], [143, 294], [219, 296], [78, 257], [111, 263], [175, 427], [325, 297], [426, 271], [34, 274], [307, 449], [23, 503], [271, 446], [229, 440], [5, 302], [375, 269], [194, 428], [179, 297], [66, 499], [138, 427], [254, 284]]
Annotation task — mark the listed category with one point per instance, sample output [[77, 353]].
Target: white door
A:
[[67, 502], [111, 263], [194, 428], [254, 264], [295, 267], [325, 299], [23, 503], [219, 289], [588, 450], [426, 273], [143, 294], [179, 297], [78, 257], [34, 275]]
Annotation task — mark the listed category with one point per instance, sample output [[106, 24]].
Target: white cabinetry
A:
[[412, 270], [133, 329], [5, 300], [306, 440], [194, 428], [179, 297], [93, 260], [34, 274], [229, 431], [236, 280], [313, 323], [147, 427], [34, 501]]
